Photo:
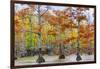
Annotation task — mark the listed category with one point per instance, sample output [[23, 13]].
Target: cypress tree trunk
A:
[[61, 56], [40, 58], [89, 43], [78, 58]]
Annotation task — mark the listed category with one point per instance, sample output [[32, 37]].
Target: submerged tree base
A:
[[15, 58], [78, 58], [40, 60], [89, 53], [62, 57]]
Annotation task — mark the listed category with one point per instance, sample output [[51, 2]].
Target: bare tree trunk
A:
[[61, 56], [78, 58], [40, 58]]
